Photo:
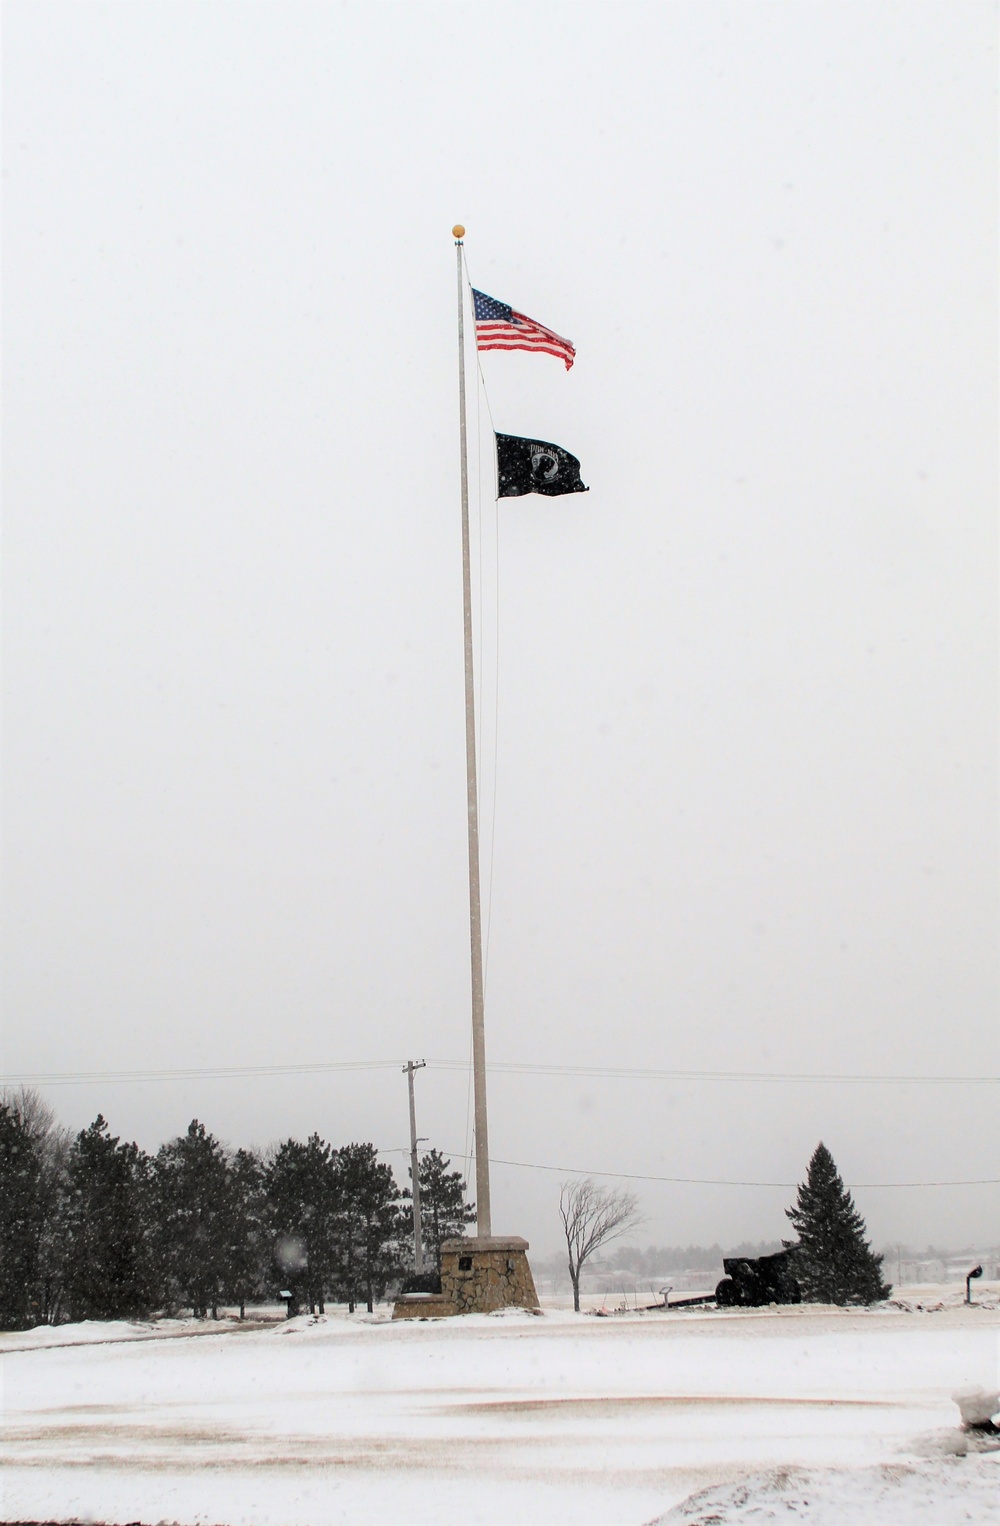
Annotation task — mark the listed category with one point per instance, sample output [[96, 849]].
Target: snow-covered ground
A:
[[829, 1416]]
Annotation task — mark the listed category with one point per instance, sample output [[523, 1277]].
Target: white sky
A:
[[742, 734]]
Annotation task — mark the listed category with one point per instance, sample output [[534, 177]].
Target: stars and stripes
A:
[[499, 327]]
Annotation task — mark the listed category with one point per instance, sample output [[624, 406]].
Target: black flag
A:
[[535, 466]]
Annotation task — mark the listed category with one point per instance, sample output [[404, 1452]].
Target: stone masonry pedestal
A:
[[481, 1275], [478, 1276]]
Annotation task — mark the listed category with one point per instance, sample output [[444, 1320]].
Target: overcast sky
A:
[[738, 703]]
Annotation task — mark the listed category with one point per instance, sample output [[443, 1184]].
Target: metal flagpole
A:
[[475, 917]]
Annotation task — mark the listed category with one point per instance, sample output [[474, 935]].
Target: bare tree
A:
[[592, 1216], [35, 1116]]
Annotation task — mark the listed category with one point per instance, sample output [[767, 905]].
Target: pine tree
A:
[[368, 1240], [444, 1213], [108, 1268], [834, 1262], [53, 1244], [192, 1192], [32, 1188], [303, 1194], [247, 1244], [21, 1219]]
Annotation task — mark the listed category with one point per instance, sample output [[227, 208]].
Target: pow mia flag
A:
[[535, 466]]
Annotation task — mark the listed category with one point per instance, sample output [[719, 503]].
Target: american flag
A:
[[499, 327]]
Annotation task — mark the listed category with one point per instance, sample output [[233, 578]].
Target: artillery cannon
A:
[[752, 1282]]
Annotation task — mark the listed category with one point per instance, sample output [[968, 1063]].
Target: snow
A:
[[893, 1495], [542, 1420]]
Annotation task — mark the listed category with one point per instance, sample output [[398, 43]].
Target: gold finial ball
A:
[[458, 231]]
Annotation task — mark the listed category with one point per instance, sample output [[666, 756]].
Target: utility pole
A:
[[418, 1253]]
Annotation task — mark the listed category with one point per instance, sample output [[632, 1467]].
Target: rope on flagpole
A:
[[481, 644]]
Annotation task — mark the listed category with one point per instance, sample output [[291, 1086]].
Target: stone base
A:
[[479, 1276], [422, 1306]]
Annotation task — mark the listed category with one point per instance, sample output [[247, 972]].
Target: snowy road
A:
[[537, 1420]]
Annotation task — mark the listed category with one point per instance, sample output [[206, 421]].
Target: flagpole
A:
[[483, 1223]]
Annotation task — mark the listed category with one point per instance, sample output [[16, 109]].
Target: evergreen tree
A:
[[22, 1216], [834, 1262], [444, 1213], [53, 1244], [32, 1184], [108, 1267], [246, 1241], [303, 1194], [368, 1224], [192, 1196]]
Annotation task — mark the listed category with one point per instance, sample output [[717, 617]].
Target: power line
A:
[[501, 1067], [704, 1181], [190, 1073], [641, 1073]]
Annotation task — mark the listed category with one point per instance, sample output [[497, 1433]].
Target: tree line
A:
[[92, 1227], [654, 1261]]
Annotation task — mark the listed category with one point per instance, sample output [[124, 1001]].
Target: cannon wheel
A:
[[725, 1294]]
